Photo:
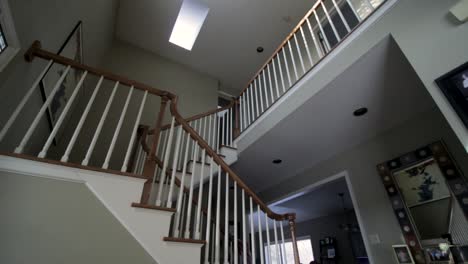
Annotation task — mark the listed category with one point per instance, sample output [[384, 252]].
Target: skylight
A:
[[191, 16]]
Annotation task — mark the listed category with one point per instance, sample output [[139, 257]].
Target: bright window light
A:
[[191, 16]]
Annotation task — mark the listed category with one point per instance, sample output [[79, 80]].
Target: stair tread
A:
[[184, 240], [228, 147], [153, 207]]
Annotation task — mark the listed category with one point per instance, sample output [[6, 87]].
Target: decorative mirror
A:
[[429, 197]]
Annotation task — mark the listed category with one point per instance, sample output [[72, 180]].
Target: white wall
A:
[[360, 162], [49, 21], [50, 221]]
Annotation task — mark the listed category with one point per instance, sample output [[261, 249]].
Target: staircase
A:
[[171, 185]]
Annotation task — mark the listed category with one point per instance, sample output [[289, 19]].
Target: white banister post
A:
[[265, 88], [276, 77], [99, 127], [64, 113], [283, 246], [71, 144], [226, 221], [44, 107], [167, 155], [307, 47], [218, 217], [241, 112], [316, 43], [200, 195], [117, 130], [322, 31], [260, 236], [175, 160], [236, 244], [252, 230], [354, 10], [192, 186], [338, 10], [289, 44], [182, 185], [283, 83], [257, 104], [337, 36], [23, 101], [278, 255], [271, 84], [287, 68], [244, 230], [208, 215], [299, 52], [134, 131], [267, 228]]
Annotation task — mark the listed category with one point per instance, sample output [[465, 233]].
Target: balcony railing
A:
[[322, 29]]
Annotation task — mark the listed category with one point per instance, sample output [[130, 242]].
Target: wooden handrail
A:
[[288, 37], [36, 51], [199, 116]]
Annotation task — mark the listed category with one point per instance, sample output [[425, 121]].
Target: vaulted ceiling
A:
[[226, 46]]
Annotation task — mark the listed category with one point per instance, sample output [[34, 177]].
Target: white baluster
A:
[[165, 163], [99, 127], [267, 228], [260, 91], [276, 77], [338, 10], [252, 230], [208, 213], [200, 195], [260, 237], [117, 130], [216, 136], [136, 162], [299, 53], [307, 47], [64, 113], [322, 31], [244, 231], [278, 256], [226, 221], [23, 101], [265, 88], [354, 10], [287, 67], [337, 36], [70, 146], [283, 84], [44, 107], [283, 246], [231, 127], [218, 217], [316, 43], [133, 136], [183, 214], [162, 144], [223, 128], [174, 168], [241, 112], [236, 244], [248, 106], [257, 104], [192, 186], [292, 59], [182, 185], [271, 84]]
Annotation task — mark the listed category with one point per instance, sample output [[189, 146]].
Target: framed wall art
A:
[[71, 48], [454, 85], [426, 184]]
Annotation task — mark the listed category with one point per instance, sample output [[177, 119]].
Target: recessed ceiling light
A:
[[191, 16], [260, 49], [360, 111], [277, 161]]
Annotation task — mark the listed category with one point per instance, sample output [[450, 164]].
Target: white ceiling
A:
[[324, 126], [318, 202], [226, 46]]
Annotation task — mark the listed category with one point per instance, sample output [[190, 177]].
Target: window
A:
[[9, 44], [304, 246]]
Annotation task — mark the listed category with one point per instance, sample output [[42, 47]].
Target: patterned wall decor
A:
[[453, 176]]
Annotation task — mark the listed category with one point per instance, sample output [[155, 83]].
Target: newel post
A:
[[292, 229], [150, 164], [237, 119]]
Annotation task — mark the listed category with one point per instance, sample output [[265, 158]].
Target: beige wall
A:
[[50, 22], [53, 222], [372, 204]]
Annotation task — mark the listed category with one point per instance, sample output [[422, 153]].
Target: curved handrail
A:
[[36, 51]]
